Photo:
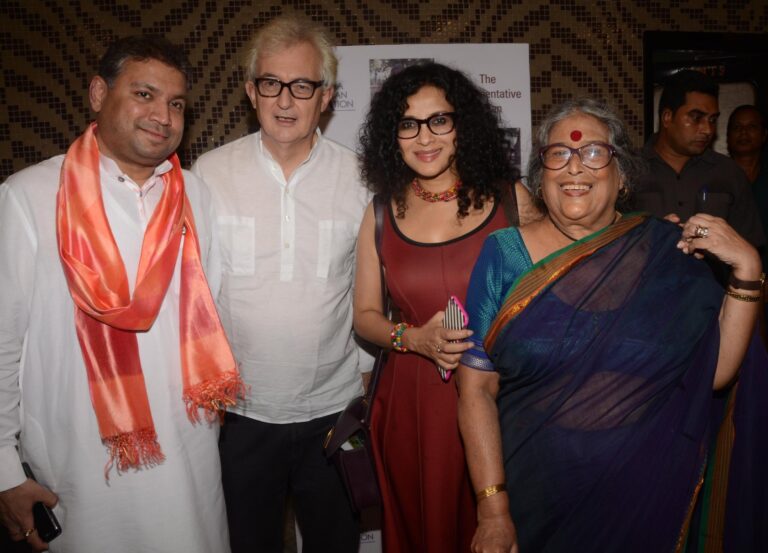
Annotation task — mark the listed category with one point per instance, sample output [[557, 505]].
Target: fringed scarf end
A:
[[214, 396], [133, 450]]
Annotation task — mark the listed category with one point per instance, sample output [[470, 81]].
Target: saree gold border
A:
[[546, 272], [683, 535], [715, 527]]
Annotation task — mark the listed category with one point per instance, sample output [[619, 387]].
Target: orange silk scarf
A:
[[107, 318]]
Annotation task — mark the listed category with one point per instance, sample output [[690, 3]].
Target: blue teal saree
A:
[[606, 352]]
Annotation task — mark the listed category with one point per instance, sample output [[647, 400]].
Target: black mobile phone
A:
[[46, 523]]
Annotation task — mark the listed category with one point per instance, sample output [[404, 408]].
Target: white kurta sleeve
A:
[[17, 250], [212, 256]]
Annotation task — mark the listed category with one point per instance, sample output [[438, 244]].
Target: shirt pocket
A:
[[237, 235], [715, 203], [335, 247]]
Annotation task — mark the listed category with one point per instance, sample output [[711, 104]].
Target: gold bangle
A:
[[742, 297], [491, 490]]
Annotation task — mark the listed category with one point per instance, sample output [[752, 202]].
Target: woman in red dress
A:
[[433, 148]]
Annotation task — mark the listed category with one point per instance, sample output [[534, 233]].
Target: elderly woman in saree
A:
[[599, 337]]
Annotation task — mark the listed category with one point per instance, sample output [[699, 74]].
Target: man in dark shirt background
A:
[[685, 175]]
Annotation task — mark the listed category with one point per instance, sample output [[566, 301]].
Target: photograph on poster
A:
[[382, 69], [512, 145]]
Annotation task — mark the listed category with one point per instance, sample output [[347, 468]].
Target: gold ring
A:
[[701, 232], [29, 532]]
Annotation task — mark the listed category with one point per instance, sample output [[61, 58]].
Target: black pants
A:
[[261, 464]]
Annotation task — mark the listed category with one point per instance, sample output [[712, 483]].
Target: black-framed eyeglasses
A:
[[595, 155], [439, 123], [301, 89]]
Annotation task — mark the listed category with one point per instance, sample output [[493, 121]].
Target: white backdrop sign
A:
[[370, 541], [500, 70]]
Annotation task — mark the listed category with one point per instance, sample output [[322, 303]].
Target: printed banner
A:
[[500, 70]]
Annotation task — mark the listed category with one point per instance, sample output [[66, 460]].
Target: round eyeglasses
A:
[[439, 123], [301, 89], [595, 155]]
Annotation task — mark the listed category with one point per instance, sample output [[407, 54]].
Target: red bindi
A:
[[575, 136]]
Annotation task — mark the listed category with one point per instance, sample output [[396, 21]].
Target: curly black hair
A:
[[482, 160]]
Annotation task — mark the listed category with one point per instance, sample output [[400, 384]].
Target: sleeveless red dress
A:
[[428, 501]]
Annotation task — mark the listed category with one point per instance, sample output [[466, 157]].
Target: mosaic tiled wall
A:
[[50, 48]]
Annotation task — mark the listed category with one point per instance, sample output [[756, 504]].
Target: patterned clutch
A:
[[456, 318]]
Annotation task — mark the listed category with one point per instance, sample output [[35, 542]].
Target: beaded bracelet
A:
[[491, 490], [742, 297], [397, 337]]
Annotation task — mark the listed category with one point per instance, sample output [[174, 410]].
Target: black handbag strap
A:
[[379, 211]]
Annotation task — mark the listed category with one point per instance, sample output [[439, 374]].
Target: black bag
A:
[[348, 443]]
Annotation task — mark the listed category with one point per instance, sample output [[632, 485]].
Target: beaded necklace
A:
[[432, 197]]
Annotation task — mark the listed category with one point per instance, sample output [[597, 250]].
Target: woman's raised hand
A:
[[703, 232], [442, 345]]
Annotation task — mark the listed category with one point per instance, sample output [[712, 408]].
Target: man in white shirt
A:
[[289, 203], [111, 353]]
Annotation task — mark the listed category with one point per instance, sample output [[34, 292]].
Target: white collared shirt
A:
[[288, 266]]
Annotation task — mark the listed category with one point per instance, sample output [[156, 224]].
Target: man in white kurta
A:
[[177, 505], [288, 203]]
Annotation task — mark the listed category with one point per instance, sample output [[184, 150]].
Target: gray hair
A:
[[631, 165], [287, 31]]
